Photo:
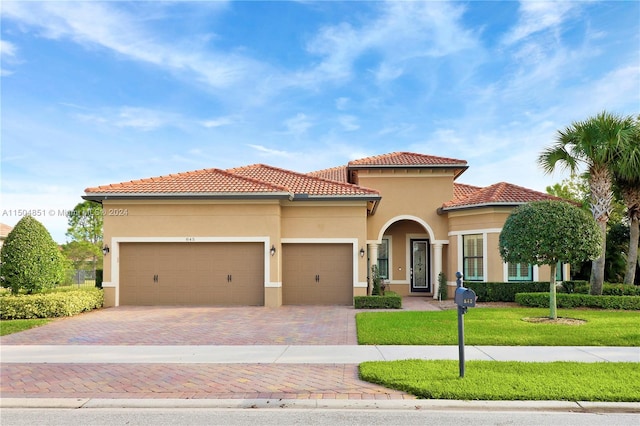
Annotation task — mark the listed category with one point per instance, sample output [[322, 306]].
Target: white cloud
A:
[[342, 103], [111, 27], [270, 151], [7, 53], [403, 31], [538, 16], [137, 118], [349, 122], [217, 122], [298, 125]]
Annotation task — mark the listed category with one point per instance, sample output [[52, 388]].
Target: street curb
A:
[[415, 404]]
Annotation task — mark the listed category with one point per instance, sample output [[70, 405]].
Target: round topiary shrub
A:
[[30, 258]]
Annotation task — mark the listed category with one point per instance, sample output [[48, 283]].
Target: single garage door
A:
[[317, 274], [192, 274]]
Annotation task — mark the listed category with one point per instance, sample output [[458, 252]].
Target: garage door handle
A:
[[229, 278], [155, 278], [317, 278]]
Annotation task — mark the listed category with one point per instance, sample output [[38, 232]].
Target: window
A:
[[559, 271], [472, 257], [520, 272], [383, 258]]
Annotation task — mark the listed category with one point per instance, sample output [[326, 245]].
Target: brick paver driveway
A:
[[288, 325]]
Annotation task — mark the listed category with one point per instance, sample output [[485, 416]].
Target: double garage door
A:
[[227, 274], [192, 274]]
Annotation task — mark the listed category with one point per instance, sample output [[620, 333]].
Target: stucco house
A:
[[261, 235]]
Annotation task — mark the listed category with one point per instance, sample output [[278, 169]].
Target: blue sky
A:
[[103, 92]]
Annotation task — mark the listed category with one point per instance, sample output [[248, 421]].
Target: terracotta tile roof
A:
[[299, 183], [257, 179], [196, 182], [339, 174], [462, 190], [502, 193], [4, 230], [407, 159]]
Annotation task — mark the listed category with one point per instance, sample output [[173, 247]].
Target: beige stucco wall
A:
[[320, 221], [416, 193], [192, 218]]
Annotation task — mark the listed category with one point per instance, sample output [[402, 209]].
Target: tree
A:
[[85, 228], [594, 143], [626, 174], [30, 258], [548, 232]]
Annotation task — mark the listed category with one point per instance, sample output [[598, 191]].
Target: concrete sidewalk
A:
[[301, 354]]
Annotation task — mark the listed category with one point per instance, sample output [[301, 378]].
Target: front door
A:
[[420, 266]]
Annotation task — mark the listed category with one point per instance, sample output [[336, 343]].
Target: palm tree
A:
[[626, 174], [593, 143]]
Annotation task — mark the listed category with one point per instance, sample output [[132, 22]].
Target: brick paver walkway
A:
[[189, 381], [288, 325]]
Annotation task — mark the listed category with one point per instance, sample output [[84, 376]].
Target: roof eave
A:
[[101, 196], [481, 205]]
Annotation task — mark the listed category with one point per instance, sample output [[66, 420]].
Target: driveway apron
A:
[[181, 326]]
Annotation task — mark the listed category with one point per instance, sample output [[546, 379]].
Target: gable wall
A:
[[411, 192]]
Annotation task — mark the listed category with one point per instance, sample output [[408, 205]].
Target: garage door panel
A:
[[192, 274], [317, 274]]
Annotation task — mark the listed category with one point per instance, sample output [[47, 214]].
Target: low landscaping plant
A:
[[578, 300], [50, 305], [608, 289], [499, 327], [390, 300], [493, 380], [505, 292]]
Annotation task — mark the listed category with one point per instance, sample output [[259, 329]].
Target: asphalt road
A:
[[281, 417]]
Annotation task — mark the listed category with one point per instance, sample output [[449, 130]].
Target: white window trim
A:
[[485, 265]]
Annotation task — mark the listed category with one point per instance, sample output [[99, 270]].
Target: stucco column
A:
[[437, 258], [373, 255]]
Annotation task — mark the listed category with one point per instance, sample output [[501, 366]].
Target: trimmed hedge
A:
[[50, 305], [505, 292], [390, 300], [608, 289], [563, 300]]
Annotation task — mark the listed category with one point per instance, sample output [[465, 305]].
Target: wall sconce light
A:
[[361, 251], [105, 250], [273, 250]]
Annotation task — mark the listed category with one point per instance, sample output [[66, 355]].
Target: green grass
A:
[[492, 380], [14, 326], [499, 327]]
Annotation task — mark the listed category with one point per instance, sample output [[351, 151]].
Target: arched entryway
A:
[[408, 255]]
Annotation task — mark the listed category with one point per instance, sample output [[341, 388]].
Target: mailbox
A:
[[465, 297]]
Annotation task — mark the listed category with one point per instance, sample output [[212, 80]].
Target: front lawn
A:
[[492, 380], [499, 327], [14, 326]]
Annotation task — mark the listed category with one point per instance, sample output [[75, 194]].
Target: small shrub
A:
[[442, 286], [504, 292], [376, 279], [50, 305], [577, 300], [30, 259], [391, 300]]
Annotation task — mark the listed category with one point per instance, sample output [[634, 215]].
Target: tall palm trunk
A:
[[601, 198], [631, 197]]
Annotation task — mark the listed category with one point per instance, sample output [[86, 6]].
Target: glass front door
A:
[[420, 266]]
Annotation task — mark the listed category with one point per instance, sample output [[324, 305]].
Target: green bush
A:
[[50, 305], [608, 289], [442, 286], [390, 300], [30, 259], [504, 292], [576, 300]]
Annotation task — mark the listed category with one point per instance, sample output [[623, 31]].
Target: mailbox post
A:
[[464, 298]]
